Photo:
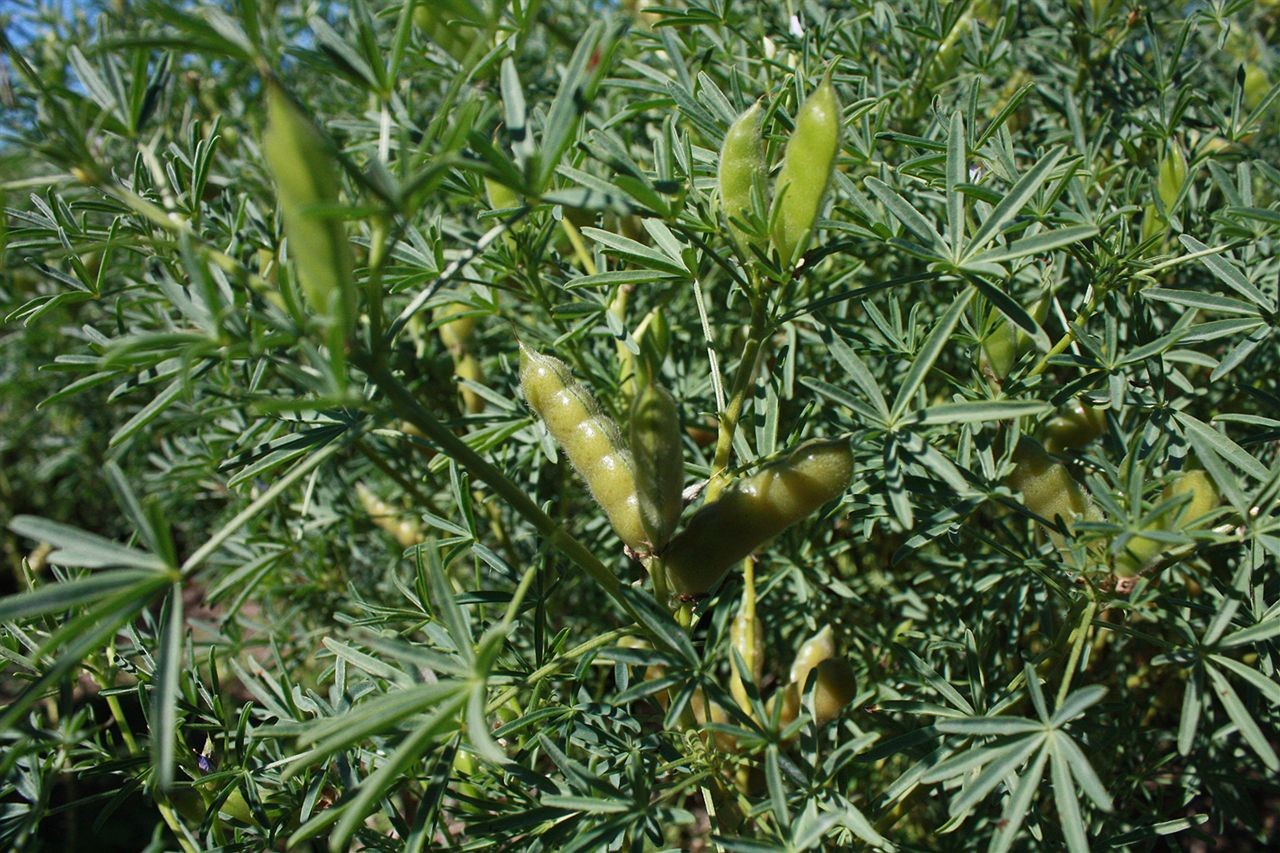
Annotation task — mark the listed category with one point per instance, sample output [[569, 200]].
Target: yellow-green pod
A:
[[1204, 495], [753, 511], [406, 532], [1141, 551], [1171, 175], [468, 367], [1074, 427], [999, 350], [742, 169], [306, 179], [789, 696], [807, 167], [813, 651], [590, 440], [655, 447], [454, 333], [1047, 488], [500, 196], [834, 687], [653, 336]]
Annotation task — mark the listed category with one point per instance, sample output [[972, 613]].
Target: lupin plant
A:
[[594, 426]]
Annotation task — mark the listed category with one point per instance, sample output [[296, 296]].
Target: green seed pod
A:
[[500, 196], [1074, 427], [655, 446], [406, 532], [468, 368], [753, 511], [1204, 495], [653, 336], [454, 333], [1172, 174], [833, 689], [589, 439], [789, 696], [999, 350], [303, 168], [1048, 489], [807, 166], [742, 169], [812, 652], [1139, 550]]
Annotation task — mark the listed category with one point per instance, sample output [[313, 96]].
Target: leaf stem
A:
[[742, 382]]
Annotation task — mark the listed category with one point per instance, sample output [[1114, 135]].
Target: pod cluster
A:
[[642, 501], [753, 511], [800, 189]]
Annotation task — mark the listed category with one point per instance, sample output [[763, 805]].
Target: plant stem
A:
[[742, 382]]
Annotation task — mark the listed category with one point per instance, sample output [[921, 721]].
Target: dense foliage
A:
[[291, 562]]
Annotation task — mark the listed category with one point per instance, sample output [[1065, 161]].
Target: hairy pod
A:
[[406, 532], [753, 511], [590, 440], [500, 196], [999, 350], [807, 166], [834, 687], [653, 337], [303, 168], [742, 169], [1074, 427], [455, 331], [1204, 495], [1141, 551], [1047, 488], [659, 461], [468, 368]]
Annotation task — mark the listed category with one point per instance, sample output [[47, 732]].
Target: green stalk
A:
[[742, 383]]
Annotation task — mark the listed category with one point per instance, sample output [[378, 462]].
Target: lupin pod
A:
[[1047, 488], [1204, 495], [812, 652], [807, 166], [742, 169], [753, 511], [1141, 551], [1074, 427], [303, 168], [454, 331], [468, 368], [655, 447], [834, 687], [590, 440], [405, 531]]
